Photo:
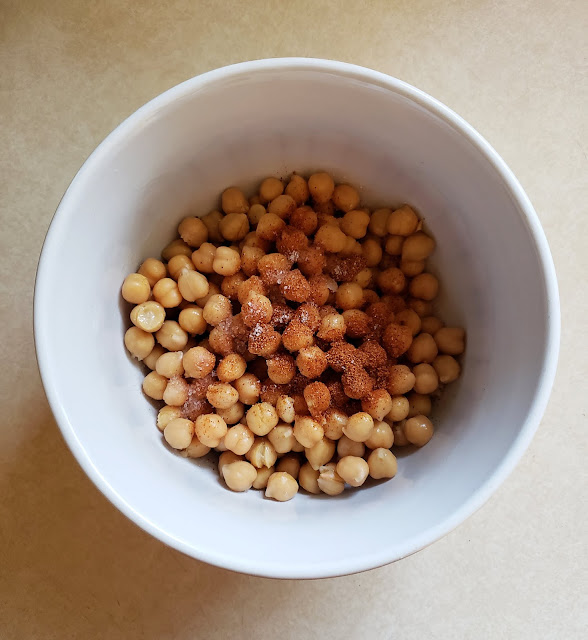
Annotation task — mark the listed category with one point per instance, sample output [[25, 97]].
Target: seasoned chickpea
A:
[[283, 206], [379, 222], [234, 201], [270, 189], [422, 349], [307, 431], [418, 246], [170, 364], [410, 319], [148, 316], [196, 449], [248, 387], [139, 343], [400, 408], [297, 336], [281, 368], [321, 187], [308, 478], [153, 269], [377, 403], [166, 415], [136, 288], [262, 418], [285, 408], [262, 453], [450, 340], [349, 296], [394, 245], [289, 464], [176, 392], [353, 470], [234, 226], [418, 430], [178, 264], [311, 361], [320, 453], [419, 404], [447, 368], [382, 464], [166, 292], [297, 189], [355, 223], [198, 362], [402, 222], [346, 198], [231, 367], [281, 486], [401, 379], [175, 248], [426, 378], [257, 309], [329, 481], [178, 433], [210, 429], [193, 231], [359, 426], [172, 336], [372, 252], [332, 327], [217, 309], [191, 319], [330, 238], [424, 286], [203, 258], [270, 226], [397, 339], [239, 475], [226, 261], [221, 395], [239, 439], [154, 385]]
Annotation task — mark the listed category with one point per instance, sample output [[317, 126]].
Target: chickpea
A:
[[382, 464], [346, 198], [153, 356], [379, 222], [210, 429], [431, 324], [217, 309], [250, 257], [330, 238], [234, 201], [193, 231], [139, 343], [136, 288], [231, 367], [171, 336], [422, 307], [270, 189], [221, 395], [166, 415], [412, 268], [321, 187], [262, 453], [227, 457], [419, 405], [281, 486], [196, 449], [285, 409], [263, 475], [175, 248], [355, 223], [400, 408], [307, 431], [283, 206], [203, 258], [359, 426], [329, 481], [353, 470], [382, 436], [334, 421], [256, 211], [154, 385], [257, 309], [377, 403], [394, 245], [212, 221], [249, 387], [239, 439], [424, 286], [234, 226], [418, 430], [262, 418], [305, 219], [178, 264], [308, 477], [153, 269], [289, 463], [239, 475], [447, 368], [320, 453], [176, 392], [402, 222], [332, 328], [281, 369], [148, 316], [170, 364], [422, 349], [198, 362], [347, 447], [372, 252], [297, 189], [399, 437], [311, 361], [233, 414], [166, 292], [226, 261], [392, 280], [191, 319], [450, 340], [192, 285], [270, 226], [297, 336], [410, 319], [401, 379], [397, 339], [417, 246], [178, 433], [349, 296], [426, 378]]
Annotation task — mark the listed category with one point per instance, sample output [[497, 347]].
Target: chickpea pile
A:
[[294, 333]]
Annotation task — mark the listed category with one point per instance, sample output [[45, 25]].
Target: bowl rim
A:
[[344, 566]]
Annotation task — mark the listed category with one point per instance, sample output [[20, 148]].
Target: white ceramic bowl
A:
[[237, 125]]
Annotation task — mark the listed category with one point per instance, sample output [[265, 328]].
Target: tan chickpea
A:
[[355, 223], [285, 409], [308, 477], [364, 278], [198, 362], [154, 385], [166, 415], [424, 286], [349, 296], [170, 364], [450, 340], [382, 464], [171, 336], [231, 367], [270, 226], [250, 257], [447, 368], [262, 418], [418, 430], [151, 359], [426, 378], [203, 257], [255, 213], [402, 222], [249, 387], [262, 453], [289, 463], [359, 426], [320, 453], [270, 189], [400, 408], [217, 309], [307, 431], [136, 288], [412, 268], [233, 414], [176, 392], [282, 438], [382, 436], [353, 470], [175, 248], [329, 481], [391, 280], [226, 261], [372, 252], [330, 238], [283, 206], [192, 285], [321, 186], [418, 246], [401, 379], [431, 324], [213, 290], [178, 433], [196, 449], [166, 292], [297, 189], [422, 349], [234, 226], [334, 421], [239, 475], [410, 319], [332, 327], [139, 343], [234, 201], [192, 320], [227, 457], [346, 198], [193, 231], [239, 439], [178, 264], [347, 447], [399, 437], [281, 486], [148, 316], [263, 475], [422, 307], [394, 245], [210, 429], [153, 269], [212, 222], [221, 395], [377, 403], [379, 222], [419, 404]]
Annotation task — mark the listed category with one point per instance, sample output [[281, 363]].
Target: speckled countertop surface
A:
[[71, 566]]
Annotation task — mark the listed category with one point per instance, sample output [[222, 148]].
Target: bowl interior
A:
[[173, 158]]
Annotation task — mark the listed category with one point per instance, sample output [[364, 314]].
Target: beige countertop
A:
[[71, 566]]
